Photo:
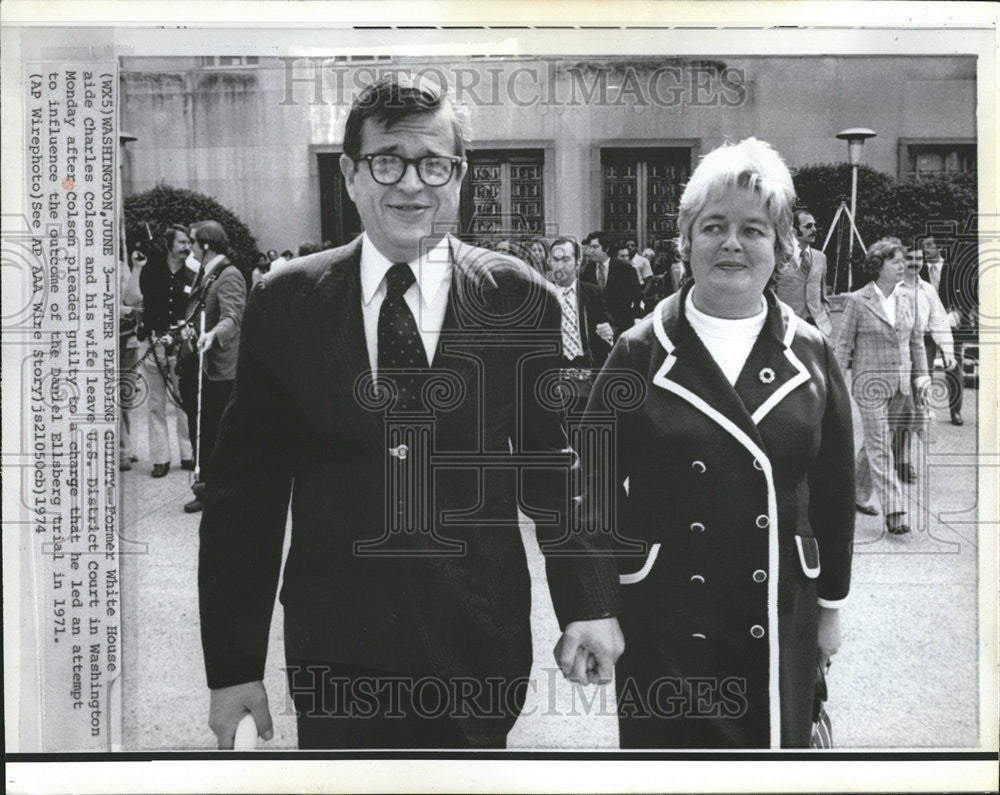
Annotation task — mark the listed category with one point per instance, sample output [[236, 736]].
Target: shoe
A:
[[160, 470], [956, 418], [867, 510], [187, 464], [198, 487], [192, 507], [895, 525], [907, 473]]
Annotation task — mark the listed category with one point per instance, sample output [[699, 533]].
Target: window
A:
[[921, 159]]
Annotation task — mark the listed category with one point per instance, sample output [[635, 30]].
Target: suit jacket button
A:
[[763, 521], [698, 466], [760, 575], [697, 578], [698, 635], [698, 527], [757, 631], [400, 451], [758, 465]]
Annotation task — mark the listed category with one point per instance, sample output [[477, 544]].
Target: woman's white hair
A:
[[754, 166]]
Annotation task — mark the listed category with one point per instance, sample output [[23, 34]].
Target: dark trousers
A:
[[214, 397], [953, 377], [346, 706]]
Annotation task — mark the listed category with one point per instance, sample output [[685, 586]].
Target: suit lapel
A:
[[870, 298], [772, 370], [690, 372]]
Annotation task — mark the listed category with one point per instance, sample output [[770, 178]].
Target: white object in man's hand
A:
[[605, 333], [206, 341], [229, 705], [588, 650]]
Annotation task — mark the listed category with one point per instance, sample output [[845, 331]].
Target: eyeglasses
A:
[[562, 260], [433, 170]]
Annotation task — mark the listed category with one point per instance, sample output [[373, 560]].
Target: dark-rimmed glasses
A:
[[433, 170]]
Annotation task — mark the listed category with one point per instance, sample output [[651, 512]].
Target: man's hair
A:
[[394, 98], [287, 254], [562, 241], [880, 253], [797, 217], [751, 165], [604, 237], [212, 234]]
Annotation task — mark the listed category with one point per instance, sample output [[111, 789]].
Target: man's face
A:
[[181, 247], [398, 217], [806, 230], [562, 265], [624, 255], [631, 247], [930, 248], [597, 250], [504, 247]]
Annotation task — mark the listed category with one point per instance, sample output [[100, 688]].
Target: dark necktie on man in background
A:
[[805, 261], [602, 275], [399, 344]]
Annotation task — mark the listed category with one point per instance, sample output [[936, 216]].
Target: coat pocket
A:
[[639, 576], [808, 555]]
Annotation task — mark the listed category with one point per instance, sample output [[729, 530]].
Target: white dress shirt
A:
[[427, 297], [934, 271]]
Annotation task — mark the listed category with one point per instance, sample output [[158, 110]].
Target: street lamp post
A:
[[855, 137]]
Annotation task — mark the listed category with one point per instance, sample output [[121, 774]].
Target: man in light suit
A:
[[221, 291], [801, 283], [406, 592]]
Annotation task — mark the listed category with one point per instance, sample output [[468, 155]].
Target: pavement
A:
[[907, 674]]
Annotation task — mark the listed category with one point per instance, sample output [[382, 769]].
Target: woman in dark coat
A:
[[736, 442]]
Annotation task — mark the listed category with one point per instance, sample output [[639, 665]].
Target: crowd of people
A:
[[736, 456]]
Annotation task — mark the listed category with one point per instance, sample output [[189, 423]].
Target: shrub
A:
[[165, 205]]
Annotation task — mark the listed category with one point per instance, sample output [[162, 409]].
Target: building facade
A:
[[560, 145]]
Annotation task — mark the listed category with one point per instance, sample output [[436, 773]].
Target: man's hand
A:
[[206, 341], [228, 705], [588, 650], [829, 633], [605, 333]]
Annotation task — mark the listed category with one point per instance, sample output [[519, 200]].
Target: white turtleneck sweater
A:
[[729, 341]]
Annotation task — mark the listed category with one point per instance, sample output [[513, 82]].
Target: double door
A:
[[641, 192]]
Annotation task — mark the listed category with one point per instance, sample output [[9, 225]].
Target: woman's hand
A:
[[829, 633]]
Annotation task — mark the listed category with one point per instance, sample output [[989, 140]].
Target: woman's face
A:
[[538, 252], [893, 269], [732, 250]]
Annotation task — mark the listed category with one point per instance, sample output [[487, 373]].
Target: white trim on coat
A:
[[779, 394], [661, 380], [639, 576]]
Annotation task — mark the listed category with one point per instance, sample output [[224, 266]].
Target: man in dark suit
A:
[[390, 386], [958, 294], [616, 280], [220, 291], [586, 329]]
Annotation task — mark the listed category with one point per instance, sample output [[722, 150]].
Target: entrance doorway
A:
[[641, 192]]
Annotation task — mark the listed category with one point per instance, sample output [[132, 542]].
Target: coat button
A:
[[698, 527], [400, 452], [758, 465], [697, 578], [698, 466], [757, 631], [763, 521], [760, 575], [698, 635]]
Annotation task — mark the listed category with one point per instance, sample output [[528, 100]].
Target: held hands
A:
[[588, 650], [829, 634], [605, 333], [921, 384], [228, 705]]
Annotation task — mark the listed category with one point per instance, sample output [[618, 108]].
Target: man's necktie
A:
[[570, 326], [399, 343], [806, 261], [602, 275]]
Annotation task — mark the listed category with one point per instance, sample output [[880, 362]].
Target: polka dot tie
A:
[[399, 343]]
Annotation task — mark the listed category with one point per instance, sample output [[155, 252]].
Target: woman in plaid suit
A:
[[879, 330]]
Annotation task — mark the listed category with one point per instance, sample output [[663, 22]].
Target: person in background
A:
[[286, 256], [802, 284], [538, 254], [161, 285], [262, 267], [220, 292], [739, 457], [616, 280], [932, 322], [128, 356], [880, 333], [957, 288]]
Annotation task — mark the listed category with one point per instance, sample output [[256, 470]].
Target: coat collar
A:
[[869, 295], [772, 370]]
